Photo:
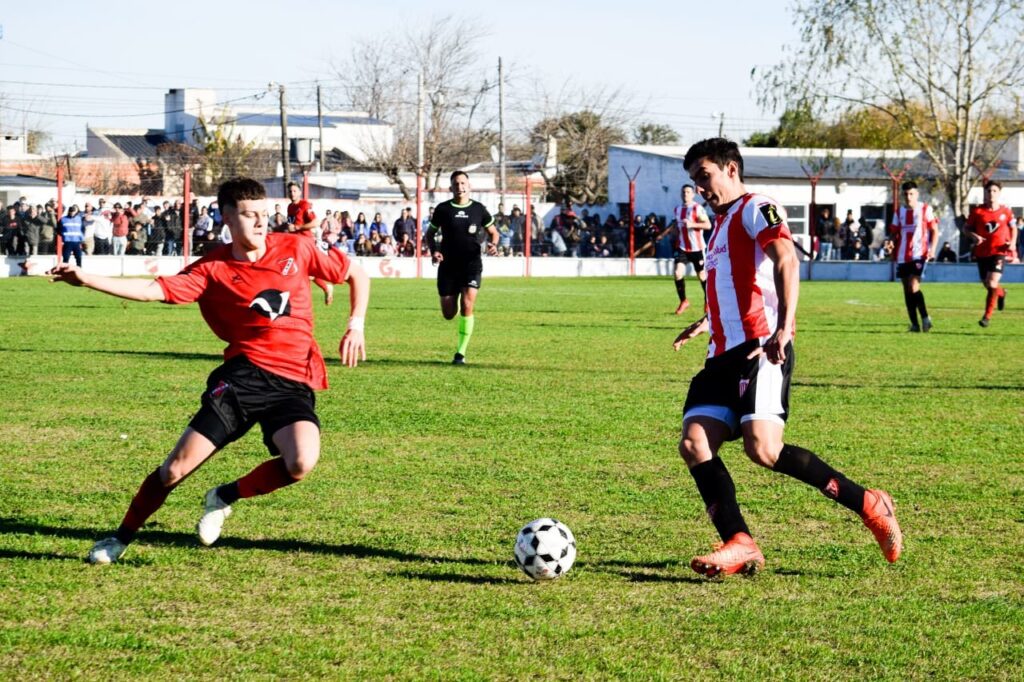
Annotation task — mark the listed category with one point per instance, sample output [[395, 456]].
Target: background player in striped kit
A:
[[691, 220], [915, 234], [743, 390]]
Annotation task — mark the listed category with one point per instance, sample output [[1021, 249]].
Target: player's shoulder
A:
[[764, 209]]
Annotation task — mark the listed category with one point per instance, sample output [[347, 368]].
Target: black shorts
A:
[[914, 268], [695, 258], [239, 394], [734, 390], [454, 276], [990, 264]]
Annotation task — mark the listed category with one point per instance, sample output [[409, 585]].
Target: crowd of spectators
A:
[[153, 228]]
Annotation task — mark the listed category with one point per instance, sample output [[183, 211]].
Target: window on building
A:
[[796, 218]]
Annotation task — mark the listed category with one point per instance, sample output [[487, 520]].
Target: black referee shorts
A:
[[239, 395], [454, 276]]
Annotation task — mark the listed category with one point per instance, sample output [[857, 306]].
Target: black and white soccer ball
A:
[[545, 549]]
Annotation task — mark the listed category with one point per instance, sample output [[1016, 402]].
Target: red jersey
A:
[[690, 238], [300, 213], [994, 224], [742, 301], [263, 309], [913, 229]]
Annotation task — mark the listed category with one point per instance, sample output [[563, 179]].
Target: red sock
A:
[[151, 496], [1001, 291], [266, 478], [990, 301]]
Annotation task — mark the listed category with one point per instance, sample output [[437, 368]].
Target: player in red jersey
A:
[[743, 390], [302, 219], [254, 294], [992, 231], [691, 220], [915, 232]]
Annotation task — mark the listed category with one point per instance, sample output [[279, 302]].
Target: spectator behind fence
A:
[[103, 233], [405, 224], [406, 247], [48, 234], [380, 226], [346, 224], [32, 226], [360, 227], [946, 254], [72, 234], [120, 226], [363, 247], [10, 240], [88, 229]]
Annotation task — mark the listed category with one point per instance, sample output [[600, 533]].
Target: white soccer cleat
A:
[[214, 513], [107, 551]]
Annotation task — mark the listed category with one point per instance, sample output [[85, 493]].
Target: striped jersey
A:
[[690, 238], [913, 229], [742, 302]]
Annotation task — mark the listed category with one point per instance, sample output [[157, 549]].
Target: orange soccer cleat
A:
[[683, 305], [739, 555], [880, 518]]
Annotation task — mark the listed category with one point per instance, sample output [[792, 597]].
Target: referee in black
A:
[[456, 235]]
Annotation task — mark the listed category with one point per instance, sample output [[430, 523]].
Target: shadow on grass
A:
[[48, 556], [931, 386], [173, 539], [433, 362], [177, 355], [455, 578]]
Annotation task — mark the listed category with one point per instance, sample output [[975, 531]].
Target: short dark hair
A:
[[993, 183], [909, 184], [457, 173], [291, 184], [719, 150], [239, 189], [687, 185]]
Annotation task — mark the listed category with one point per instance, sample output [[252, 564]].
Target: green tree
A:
[[936, 71], [583, 140], [655, 134]]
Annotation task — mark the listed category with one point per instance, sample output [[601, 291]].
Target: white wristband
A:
[[356, 323]]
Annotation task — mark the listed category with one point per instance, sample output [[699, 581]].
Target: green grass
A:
[[393, 559]]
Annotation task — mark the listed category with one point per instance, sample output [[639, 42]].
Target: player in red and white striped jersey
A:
[[915, 232], [691, 220], [743, 389], [992, 232]]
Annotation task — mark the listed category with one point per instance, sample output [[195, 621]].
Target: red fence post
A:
[[58, 243], [186, 241], [419, 225], [528, 226]]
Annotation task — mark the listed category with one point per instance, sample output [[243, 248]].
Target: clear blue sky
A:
[[64, 64]]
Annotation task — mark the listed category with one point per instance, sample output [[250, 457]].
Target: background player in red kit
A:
[[691, 221], [992, 231], [254, 294], [302, 219], [743, 390], [915, 232]]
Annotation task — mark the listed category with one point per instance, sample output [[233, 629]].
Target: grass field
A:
[[393, 559]]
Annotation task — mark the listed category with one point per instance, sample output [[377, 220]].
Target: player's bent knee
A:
[[765, 453], [300, 466], [694, 451]]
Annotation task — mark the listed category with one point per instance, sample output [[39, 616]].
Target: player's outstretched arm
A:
[[132, 289], [353, 343], [694, 330]]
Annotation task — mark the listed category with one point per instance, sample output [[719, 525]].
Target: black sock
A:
[[704, 286], [228, 493], [804, 465], [910, 300], [719, 495], [919, 296], [681, 289]]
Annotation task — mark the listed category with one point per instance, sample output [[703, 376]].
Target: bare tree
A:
[[380, 77], [937, 69]]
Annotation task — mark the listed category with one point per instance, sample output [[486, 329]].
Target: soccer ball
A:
[[545, 549]]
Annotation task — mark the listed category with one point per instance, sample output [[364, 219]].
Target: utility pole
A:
[[320, 125], [420, 103], [285, 151], [501, 132]]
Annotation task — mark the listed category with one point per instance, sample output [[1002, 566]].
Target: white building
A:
[[854, 180]]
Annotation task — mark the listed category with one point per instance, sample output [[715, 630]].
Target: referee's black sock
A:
[[910, 300], [719, 495], [919, 296], [804, 465], [681, 289]]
